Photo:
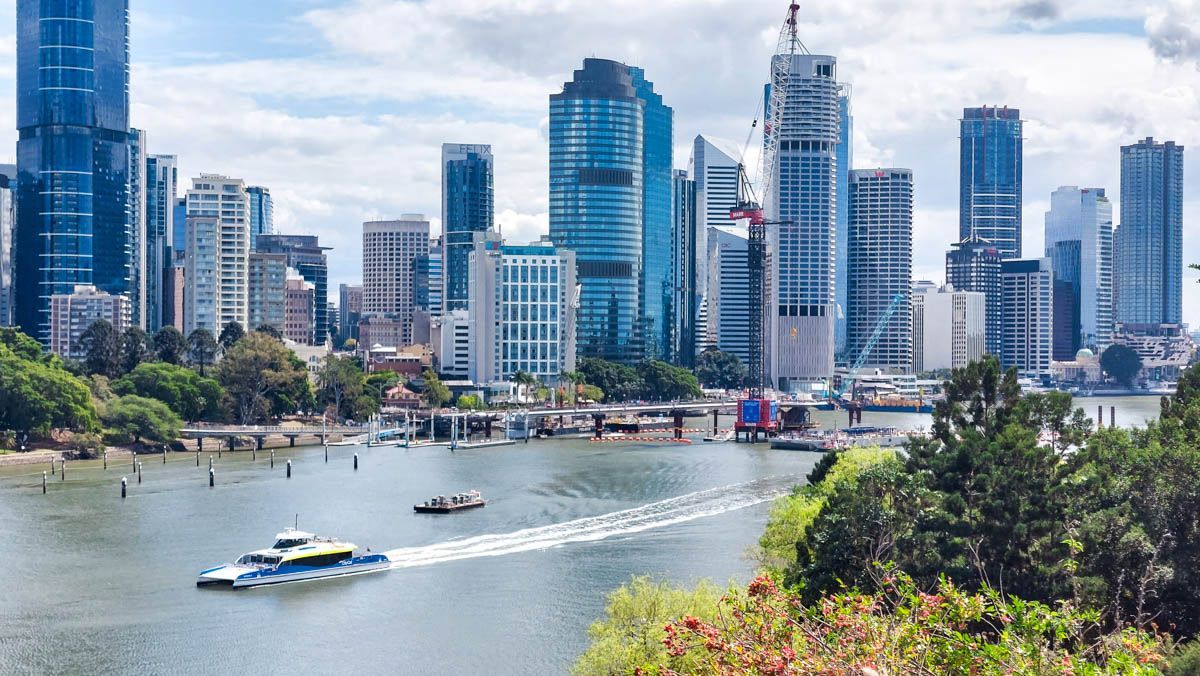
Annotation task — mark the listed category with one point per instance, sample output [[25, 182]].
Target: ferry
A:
[[444, 505], [295, 556]]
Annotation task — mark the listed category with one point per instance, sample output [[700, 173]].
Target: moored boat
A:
[[445, 505], [295, 556]]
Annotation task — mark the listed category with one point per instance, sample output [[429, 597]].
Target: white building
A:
[[8, 181], [268, 284], [451, 343], [1028, 315], [390, 252], [521, 310], [135, 214], [1079, 242], [218, 254], [715, 171], [71, 315], [728, 290], [949, 327]]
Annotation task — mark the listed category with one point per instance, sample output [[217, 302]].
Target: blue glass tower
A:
[[1149, 242], [596, 197], [845, 160], [162, 176], [990, 166], [72, 153], [262, 213], [657, 224], [468, 207]]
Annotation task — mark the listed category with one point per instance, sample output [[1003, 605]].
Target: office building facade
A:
[[217, 254], [300, 310], [804, 199], [1149, 241], [468, 207], [262, 213], [845, 158], [268, 286], [684, 305], [949, 328], [520, 312], [714, 168], [8, 183], [974, 265], [1028, 315], [306, 255], [990, 177], [162, 179], [72, 226], [1079, 243], [390, 251], [136, 216], [350, 304], [71, 314], [879, 276], [729, 290], [596, 203]]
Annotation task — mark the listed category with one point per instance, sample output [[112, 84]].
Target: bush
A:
[[85, 446]]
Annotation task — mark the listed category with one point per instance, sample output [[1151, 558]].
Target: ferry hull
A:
[[240, 577]]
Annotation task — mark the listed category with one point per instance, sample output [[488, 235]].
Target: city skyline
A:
[[280, 128]]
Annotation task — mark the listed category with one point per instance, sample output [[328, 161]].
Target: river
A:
[[97, 584]]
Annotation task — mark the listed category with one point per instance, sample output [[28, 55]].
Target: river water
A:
[[96, 584]]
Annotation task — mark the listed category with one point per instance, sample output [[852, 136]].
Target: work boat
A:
[[294, 557]]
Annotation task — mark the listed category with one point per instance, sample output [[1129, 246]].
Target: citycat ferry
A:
[[294, 557]]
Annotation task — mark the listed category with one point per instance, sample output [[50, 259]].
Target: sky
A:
[[340, 107]]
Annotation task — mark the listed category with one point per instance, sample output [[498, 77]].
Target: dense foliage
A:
[[652, 380], [434, 392], [341, 386], [1122, 363], [721, 370], [137, 419], [187, 393], [263, 379], [37, 394]]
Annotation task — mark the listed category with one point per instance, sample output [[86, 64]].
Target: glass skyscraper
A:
[[1149, 246], [845, 159], [657, 223], [262, 213], [685, 301], [307, 256], [990, 166], [468, 207], [72, 153], [974, 265], [596, 200], [162, 179], [1079, 243]]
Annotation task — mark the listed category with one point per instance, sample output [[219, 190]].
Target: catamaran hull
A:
[[240, 577]]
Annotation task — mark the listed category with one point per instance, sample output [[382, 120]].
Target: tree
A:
[[263, 379], [377, 384], [436, 393], [170, 346], [618, 382], [135, 348], [721, 370], [524, 381], [350, 345], [1121, 362], [230, 335], [470, 402], [24, 347], [663, 382], [591, 393], [341, 383], [102, 346], [270, 330], [38, 395], [132, 419], [190, 395], [202, 348]]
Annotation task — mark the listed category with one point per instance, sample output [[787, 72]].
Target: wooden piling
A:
[[355, 462], [212, 477], [43, 483], [289, 468], [139, 466], [124, 487]]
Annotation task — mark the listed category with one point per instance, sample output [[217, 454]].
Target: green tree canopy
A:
[[202, 348], [617, 381], [102, 346], [1122, 363], [663, 382], [341, 383], [136, 348], [722, 370], [231, 333], [263, 379], [23, 346], [270, 330], [190, 395], [134, 419], [170, 346], [435, 394], [37, 396], [470, 402]]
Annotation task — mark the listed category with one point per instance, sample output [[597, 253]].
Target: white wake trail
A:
[[654, 515]]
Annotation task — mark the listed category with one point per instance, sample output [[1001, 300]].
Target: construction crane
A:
[[750, 209], [872, 341]]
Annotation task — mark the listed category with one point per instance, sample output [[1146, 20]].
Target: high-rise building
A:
[[468, 207], [262, 213], [990, 176], [1149, 241], [350, 307], [217, 254], [8, 181], [179, 223], [162, 178], [299, 309], [390, 250], [174, 282], [450, 340], [974, 265], [268, 291], [71, 314], [658, 121], [429, 270], [1079, 243], [949, 327], [729, 290], [880, 267], [715, 170], [597, 197], [520, 311], [804, 199], [73, 154], [684, 305], [1028, 315], [845, 158], [306, 255], [136, 216]]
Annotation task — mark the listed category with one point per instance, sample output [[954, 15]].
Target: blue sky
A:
[[340, 106]]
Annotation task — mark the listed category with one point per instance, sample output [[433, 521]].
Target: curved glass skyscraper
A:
[[596, 198], [72, 153]]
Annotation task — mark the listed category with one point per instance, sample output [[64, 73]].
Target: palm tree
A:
[[576, 379], [523, 379]]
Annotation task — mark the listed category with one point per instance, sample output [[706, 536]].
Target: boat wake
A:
[[590, 529]]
